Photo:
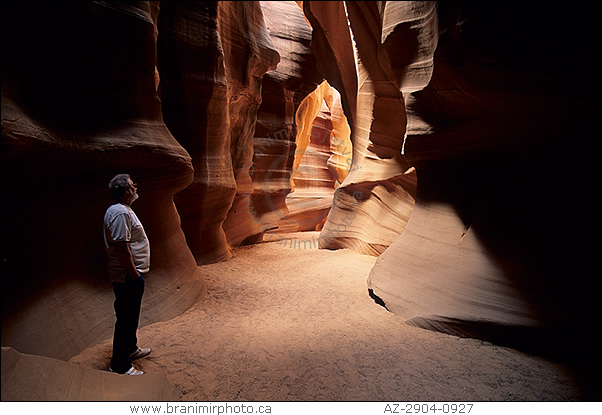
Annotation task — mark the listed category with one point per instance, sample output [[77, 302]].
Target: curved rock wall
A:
[[501, 138], [194, 98], [312, 182], [232, 76], [248, 54], [81, 90], [376, 46], [321, 161], [472, 154], [79, 105], [265, 170], [341, 148], [322, 123]]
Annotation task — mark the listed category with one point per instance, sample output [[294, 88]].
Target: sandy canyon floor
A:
[[285, 324]]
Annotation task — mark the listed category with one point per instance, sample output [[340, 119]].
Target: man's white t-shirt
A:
[[122, 225]]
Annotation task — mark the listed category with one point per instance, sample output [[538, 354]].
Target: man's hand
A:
[[125, 259]]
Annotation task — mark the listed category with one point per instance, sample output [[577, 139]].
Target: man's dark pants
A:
[[128, 299]]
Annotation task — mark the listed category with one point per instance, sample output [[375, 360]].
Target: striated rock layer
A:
[[194, 96], [376, 45], [265, 168], [472, 155], [232, 76], [79, 105], [322, 160], [502, 139], [248, 54]]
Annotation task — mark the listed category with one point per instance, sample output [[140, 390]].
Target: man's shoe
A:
[[131, 371], [139, 353], [134, 372]]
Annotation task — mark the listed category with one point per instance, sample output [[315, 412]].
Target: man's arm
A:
[[122, 249]]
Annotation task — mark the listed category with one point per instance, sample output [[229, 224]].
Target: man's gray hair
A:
[[118, 185]]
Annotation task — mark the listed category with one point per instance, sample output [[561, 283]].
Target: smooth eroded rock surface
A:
[[456, 142], [79, 105], [322, 160], [37, 378], [265, 176], [502, 142], [194, 96], [374, 202]]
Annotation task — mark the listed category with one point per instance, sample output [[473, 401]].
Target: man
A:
[[128, 253]]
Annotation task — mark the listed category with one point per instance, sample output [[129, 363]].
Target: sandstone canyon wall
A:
[[322, 159], [471, 171], [196, 100], [461, 115], [260, 203], [212, 59], [375, 45], [194, 96], [232, 77], [79, 105], [502, 139]]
